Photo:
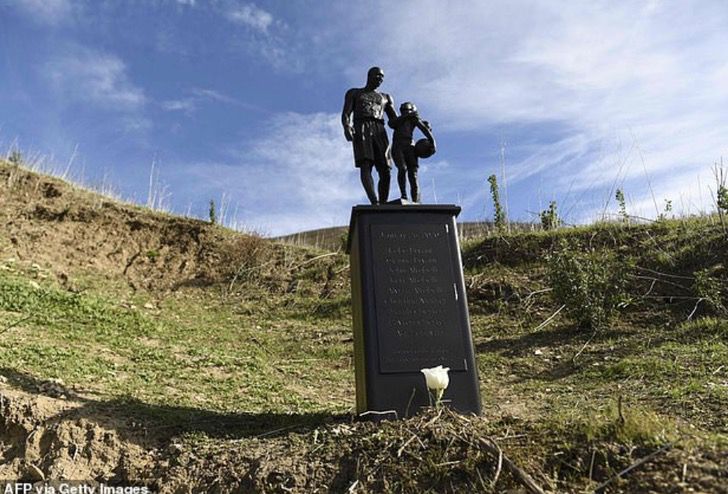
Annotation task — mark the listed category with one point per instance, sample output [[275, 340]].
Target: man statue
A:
[[367, 133]]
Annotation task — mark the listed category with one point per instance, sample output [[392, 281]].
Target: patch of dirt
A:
[[51, 223], [41, 438], [437, 451]]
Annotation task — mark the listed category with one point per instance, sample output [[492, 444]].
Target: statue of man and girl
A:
[[363, 121]]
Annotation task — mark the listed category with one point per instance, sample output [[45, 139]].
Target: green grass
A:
[[191, 352]]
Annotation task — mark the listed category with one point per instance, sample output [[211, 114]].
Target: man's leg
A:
[[402, 181], [365, 172], [384, 179]]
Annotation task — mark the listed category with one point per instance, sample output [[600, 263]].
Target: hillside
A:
[[149, 349]]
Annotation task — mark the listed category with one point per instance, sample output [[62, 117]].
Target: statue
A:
[[404, 151], [367, 133]]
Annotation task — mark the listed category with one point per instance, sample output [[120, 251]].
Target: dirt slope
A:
[[52, 223]]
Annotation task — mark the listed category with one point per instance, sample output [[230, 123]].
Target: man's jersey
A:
[[369, 104]]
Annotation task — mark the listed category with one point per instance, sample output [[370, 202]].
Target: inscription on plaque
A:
[[416, 298]]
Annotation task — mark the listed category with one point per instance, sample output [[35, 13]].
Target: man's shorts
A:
[[371, 144]]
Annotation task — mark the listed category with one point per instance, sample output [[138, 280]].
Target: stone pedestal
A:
[[409, 309]]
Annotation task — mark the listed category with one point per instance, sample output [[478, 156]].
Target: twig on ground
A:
[[654, 280], [309, 261], [500, 465], [377, 412], [520, 475], [634, 465], [665, 274], [695, 308], [12, 325], [549, 319], [573, 359]]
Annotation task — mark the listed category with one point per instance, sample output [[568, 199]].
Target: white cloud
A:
[[251, 16], [198, 96], [298, 174], [86, 75], [46, 11], [186, 105]]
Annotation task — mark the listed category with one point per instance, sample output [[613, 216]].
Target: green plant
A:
[[709, 289], [591, 284], [16, 157], [619, 196], [499, 215], [550, 217], [213, 212], [665, 212]]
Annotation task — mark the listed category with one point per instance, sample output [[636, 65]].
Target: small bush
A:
[[591, 284], [710, 288], [212, 212], [499, 216], [15, 158], [550, 217]]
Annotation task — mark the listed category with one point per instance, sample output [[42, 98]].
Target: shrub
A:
[[499, 216], [212, 212], [622, 203], [710, 289], [591, 284], [550, 217]]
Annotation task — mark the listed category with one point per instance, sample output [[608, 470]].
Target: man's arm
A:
[[346, 114], [389, 109]]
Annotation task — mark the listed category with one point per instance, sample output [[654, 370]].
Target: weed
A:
[[213, 212], [499, 216], [709, 289], [666, 212], [591, 284], [550, 217], [619, 196], [15, 158]]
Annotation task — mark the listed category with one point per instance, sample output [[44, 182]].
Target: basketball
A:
[[424, 148]]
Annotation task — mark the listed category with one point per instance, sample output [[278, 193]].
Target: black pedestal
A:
[[409, 308]]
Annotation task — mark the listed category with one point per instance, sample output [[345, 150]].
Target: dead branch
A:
[[573, 359], [695, 308], [665, 274], [520, 475], [549, 319], [654, 280]]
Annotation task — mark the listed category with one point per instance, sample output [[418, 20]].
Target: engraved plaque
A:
[[409, 309], [416, 297]]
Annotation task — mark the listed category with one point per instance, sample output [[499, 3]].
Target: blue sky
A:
[[240, 101]]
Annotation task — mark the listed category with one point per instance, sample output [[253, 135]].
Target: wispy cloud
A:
[[86, 75], [298, 174], [46, 11], [198, 96], [250, 15]]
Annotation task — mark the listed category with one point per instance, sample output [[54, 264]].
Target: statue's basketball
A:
[[424, 148]]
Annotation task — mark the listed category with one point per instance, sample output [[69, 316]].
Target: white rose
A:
[[437, 380]]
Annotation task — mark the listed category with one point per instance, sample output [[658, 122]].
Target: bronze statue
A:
[[404, 151], [367, 133]]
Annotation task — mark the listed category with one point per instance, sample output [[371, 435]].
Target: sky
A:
[[175, 103]]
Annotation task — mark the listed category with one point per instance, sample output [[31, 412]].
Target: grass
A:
[[271, 348], [183, 351]]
